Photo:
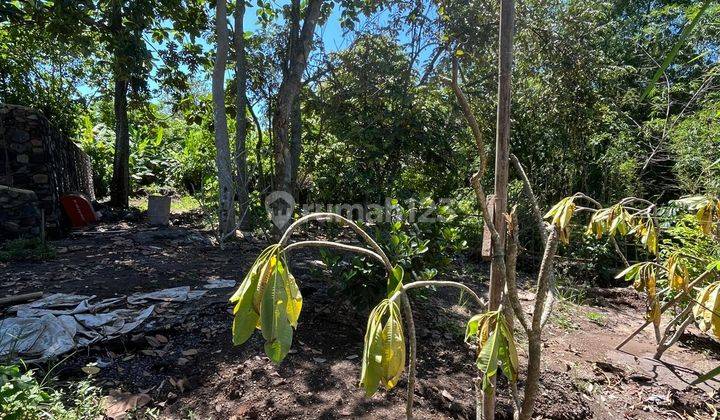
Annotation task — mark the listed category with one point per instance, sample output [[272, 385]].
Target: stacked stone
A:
[[36, 157], [19, 213]]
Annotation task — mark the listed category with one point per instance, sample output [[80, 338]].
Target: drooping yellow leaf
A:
[[253, 272], [393, 353], [677, 272], [384, 351], [706, 308], [246, 316], [295, 300], [705, 217], [567, 215], [372, 351], [557, 208], [266, 271]]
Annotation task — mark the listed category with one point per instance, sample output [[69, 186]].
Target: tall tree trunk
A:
[[287, 94], [258, 149], [295, 117], [295, 143], [226, 209], [240, 116], [120, 183]]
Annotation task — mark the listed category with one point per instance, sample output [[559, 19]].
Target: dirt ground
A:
[[182, 362]]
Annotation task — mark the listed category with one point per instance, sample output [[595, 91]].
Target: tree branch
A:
[[511, 263], [542, 311], [344, 221], [527, 189], [665, 307], [334, 245], [440, 283]]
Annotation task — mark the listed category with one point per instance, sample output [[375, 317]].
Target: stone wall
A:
[[34, 156], [19, 213]]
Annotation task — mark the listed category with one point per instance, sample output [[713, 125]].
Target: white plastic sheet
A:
[[58, 323]]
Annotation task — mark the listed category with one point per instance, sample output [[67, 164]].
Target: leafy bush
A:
[[695, 144], [419, 246], [684, 234], [23, 397], [97, 140]]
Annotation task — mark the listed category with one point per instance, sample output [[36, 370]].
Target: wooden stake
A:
[[502, 161]]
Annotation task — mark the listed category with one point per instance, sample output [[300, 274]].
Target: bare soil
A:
[[184, 359]]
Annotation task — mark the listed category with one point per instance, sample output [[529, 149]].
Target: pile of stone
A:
[[19, 213], [35, 157]]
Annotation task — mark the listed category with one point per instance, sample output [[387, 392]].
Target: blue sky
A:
[[333, 36]]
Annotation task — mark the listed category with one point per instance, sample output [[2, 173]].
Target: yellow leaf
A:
[[295, 300], [267, 270], [393, 353], [704, 310]]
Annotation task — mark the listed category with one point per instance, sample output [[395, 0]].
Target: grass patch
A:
[[26, 250], [184, 204], [563, 321], [178, 205], [562, 316], [596, 317]]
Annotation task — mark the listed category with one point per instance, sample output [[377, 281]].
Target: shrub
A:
[[23, 397]]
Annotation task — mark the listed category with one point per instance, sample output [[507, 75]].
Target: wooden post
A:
[[502, 161]]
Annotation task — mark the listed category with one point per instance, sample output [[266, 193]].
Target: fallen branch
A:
[[9, 300]]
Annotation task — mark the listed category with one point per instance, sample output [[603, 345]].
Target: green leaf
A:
[[675, 49], [507, 352], [246, 317], [487, 360], [274, 323], [471, 329], [714, 265], [713, 373], [395, 280], [372, 351], [630, 272]]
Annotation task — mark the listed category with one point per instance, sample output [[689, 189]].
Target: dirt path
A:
[[185, 362]]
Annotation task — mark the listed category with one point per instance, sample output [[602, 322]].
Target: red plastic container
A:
[[78, 209]]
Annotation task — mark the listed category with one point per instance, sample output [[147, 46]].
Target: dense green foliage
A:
[[378, 120]]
